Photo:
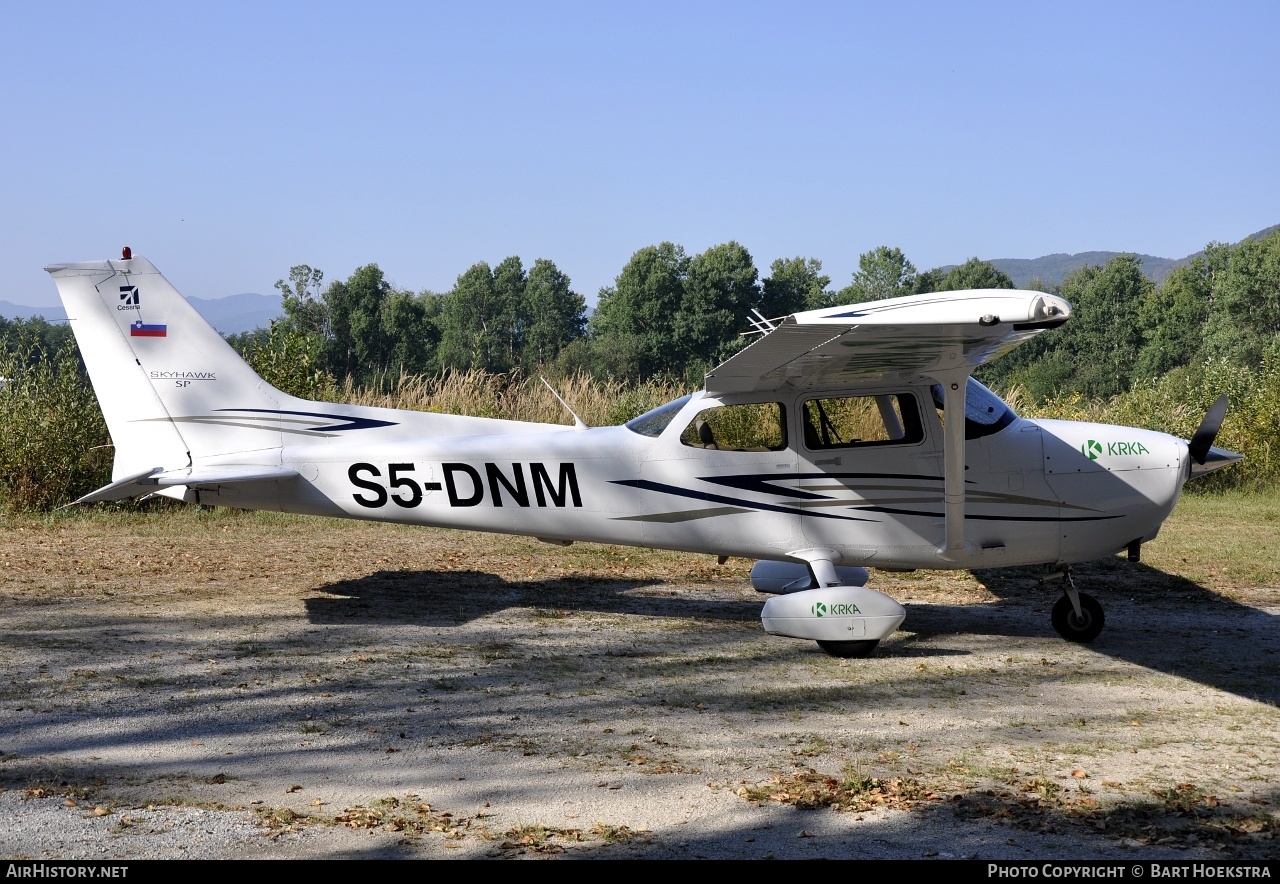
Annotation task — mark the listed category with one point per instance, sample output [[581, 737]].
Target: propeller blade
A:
[[1202, 441]]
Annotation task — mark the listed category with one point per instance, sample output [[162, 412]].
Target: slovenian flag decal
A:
[[141, 330]]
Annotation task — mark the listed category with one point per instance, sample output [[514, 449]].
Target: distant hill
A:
[[230, 315], [239, 313], [10, 310], [1052, 269]]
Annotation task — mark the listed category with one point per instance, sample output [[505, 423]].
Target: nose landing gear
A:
[[1077, 616]]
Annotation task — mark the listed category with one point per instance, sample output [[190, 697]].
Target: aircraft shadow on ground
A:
[[452, 598], [1161, 621]]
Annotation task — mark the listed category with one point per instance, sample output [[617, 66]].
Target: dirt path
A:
[[206, 684]]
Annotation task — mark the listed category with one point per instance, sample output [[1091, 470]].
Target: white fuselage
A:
[[1036, 491]]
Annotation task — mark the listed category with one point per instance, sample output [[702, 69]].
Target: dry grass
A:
[[362, 640]]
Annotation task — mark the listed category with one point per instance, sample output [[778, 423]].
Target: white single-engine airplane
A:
[[841, 438]]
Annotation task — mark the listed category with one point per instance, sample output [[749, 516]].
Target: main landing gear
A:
[[1077, 616]]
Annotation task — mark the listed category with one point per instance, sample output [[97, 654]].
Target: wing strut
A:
[[954, 385]]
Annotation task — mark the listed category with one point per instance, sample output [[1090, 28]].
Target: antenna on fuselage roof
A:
[[577, 421], [760, 325]]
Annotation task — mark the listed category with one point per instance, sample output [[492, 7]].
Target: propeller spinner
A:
[[1205, 456]]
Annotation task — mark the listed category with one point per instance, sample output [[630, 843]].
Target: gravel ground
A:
[[189, 686]]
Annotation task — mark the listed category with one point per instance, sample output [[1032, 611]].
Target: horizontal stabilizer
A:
[[150, 481]]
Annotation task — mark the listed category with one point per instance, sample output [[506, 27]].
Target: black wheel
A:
[[1078, 629], [848, 649]]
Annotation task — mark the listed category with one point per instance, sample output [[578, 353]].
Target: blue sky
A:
[[229, 141]]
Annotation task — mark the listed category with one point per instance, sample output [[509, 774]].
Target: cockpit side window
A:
[[759, 426], [852, 421]]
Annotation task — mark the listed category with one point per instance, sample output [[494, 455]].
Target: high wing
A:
[[897, 339], [941, 337]]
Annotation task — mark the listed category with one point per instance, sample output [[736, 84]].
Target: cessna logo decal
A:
[[465, 485], [128, 298], [822, 609], [1093, 449]]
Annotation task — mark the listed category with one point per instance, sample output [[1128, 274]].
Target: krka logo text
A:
[[822, 609], [1093, 449]]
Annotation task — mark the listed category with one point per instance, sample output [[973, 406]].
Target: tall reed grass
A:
[[54, 444], [514, 397]]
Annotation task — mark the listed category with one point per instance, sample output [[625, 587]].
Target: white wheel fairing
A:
[[833, 613]]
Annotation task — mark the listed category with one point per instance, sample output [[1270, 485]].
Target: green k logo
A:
[[1091, 449], [818, 609]]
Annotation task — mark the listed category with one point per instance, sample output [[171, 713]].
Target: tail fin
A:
[[173, 392]]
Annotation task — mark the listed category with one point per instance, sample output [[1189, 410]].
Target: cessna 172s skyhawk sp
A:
[[840, 438]]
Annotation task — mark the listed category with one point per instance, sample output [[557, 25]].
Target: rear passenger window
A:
[[850, 421]]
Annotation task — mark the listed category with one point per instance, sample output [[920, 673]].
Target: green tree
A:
[[633, 327], [554, 315], [509, 282], [358, 346], [361, 328], [474, 327], [1173, 319], [883, 272], [720, 288], [412, 333], [795, 284], [929, 281], [1244, 317], [37, 338], [1095, 353], [304, 306], [1104, 335], [974, 274], [246, 342], [291, 360]]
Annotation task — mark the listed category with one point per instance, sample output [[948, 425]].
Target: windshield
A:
[[984, 412], [652, 423]]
